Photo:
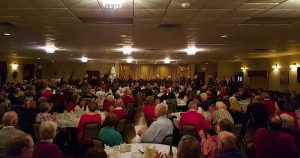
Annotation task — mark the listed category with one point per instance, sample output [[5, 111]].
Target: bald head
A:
[[10, 118], [226, 140], [188, 147], [275, 122], [160, 110]]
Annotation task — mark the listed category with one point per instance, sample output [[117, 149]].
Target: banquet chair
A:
[[237, 130], [120, 127], [91, 130], [146, 119], [168, 140], [172, 104], [2, 153], [189, 129], [131, 112], [36, 131]]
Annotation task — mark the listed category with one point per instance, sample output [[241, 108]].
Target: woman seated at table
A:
[[46, 148], [149, 108], [235, 110], [127, 97], [72, 103], [44, 113], [88, 117], [109, 103], [108, 135], [120, 111]]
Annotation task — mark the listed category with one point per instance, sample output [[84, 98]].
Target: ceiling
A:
[[156, 28]]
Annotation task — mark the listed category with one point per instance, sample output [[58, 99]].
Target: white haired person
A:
[[221, 113], [46, 148], [288, 127]]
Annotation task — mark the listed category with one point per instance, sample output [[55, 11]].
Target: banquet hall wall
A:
[[224, 70]]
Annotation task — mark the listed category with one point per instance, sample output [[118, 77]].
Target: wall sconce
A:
[[294, 66], [276, 66], [244, 68], [14, 66]]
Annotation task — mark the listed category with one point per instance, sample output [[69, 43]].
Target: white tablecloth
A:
[[71, 119], [140, 147]]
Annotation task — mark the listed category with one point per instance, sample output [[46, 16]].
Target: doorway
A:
[[3, 72]]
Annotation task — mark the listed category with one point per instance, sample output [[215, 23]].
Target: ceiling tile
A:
[[212, 13], [245, 12], [147, 20], [47, 3], [290, 4], [149, 13], [15, 4], [220, 4], [180, 13], [69, 20], [194, 4], [119, 13], [281, 13], [257, 5], [87, 12], [151, 4], [85, 4], [174, 21], [56, 12], [21, 12]]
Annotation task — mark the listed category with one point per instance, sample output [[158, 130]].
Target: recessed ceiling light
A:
[[192, 50], [167, 60], [123, 36], [185, 5], [50, 48], [129, 60], [127, 50], [206, 63], [113, 4], [6, 34], [15, 54], [38, 58], [224, 36], [84, 59]]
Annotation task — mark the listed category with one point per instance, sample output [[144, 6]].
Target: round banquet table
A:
[[138, 148], [71, 119]]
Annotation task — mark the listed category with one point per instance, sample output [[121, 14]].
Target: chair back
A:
[[146, 119], [237, 130], [189, 129], [36, 131], [168, 140], [130, 108], [2, 153], [91, 130], [120, 127], [172, 104]]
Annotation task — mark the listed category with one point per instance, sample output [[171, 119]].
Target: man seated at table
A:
[[192, 117], [274, 143], [227, 146], [160, 128], [10, 120]]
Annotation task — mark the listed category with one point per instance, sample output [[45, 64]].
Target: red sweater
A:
[[121, 113], [46, 150], [85, 118], [107, 104], [270, 104], [149, 111], [274, 144], [127, 99], [71, 106], [193, 117]]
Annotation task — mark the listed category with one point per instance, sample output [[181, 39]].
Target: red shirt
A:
[[48, 94], [71, 106], [85, 118], [127, 99], [121, 113], [149, 111], [270, 104], [274, 144], [46, 150], [107, 104], [193, 117], [294, 115]]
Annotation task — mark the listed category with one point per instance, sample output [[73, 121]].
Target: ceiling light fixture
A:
[[167, 60], [127, 50], [276, 66], [224, 36], [244, 68], [84, 59], [294, 66], [6, 34], [113, 4], [14, 66], [191, 50], [129, 60], [50, 49]]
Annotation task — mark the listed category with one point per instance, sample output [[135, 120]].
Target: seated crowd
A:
[[213, 112]]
